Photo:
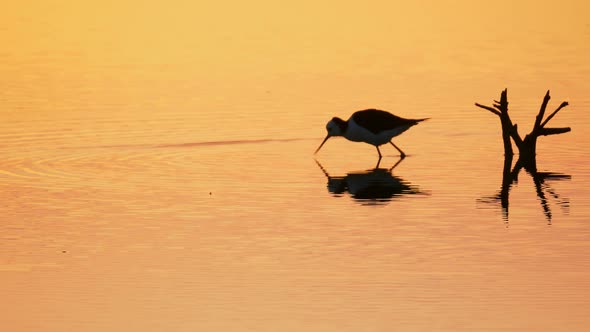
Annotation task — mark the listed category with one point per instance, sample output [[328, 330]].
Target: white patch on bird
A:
[[357, 133]]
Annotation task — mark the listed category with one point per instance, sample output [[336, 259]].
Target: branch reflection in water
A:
[[542, 187], [376, 186]]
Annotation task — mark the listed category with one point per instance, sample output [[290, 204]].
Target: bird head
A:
[[334, 127]]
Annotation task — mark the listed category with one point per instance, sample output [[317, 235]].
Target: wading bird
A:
[[371, 126]]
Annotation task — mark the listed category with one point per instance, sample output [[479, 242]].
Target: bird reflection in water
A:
[[371, 187]]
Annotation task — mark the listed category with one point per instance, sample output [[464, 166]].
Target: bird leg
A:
[[402, 154], [379, 152]]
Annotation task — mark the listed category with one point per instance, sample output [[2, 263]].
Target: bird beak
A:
[[325, 139]]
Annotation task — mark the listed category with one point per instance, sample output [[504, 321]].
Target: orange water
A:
[[157, 170]]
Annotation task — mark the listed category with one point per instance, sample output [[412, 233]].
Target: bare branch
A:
[[564, 104], [553, 131], [541, 112], [515, 136], [489, 109], [504, 98]]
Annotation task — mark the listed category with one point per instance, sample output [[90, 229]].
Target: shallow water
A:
[[164, 181]]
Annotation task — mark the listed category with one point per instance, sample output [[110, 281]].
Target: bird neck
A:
[[342, 125]]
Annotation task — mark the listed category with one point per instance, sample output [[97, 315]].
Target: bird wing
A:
[[377, 121]]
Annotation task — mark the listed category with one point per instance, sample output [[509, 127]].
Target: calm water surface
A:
[[158, 175]]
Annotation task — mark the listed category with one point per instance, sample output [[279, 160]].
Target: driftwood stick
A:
[[489, 109], [553, 131], [515, 136], [508, 129], [526, 146], [541, 113], [506, 122], [564, 104]]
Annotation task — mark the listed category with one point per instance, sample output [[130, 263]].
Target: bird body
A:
[[371, 126]]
